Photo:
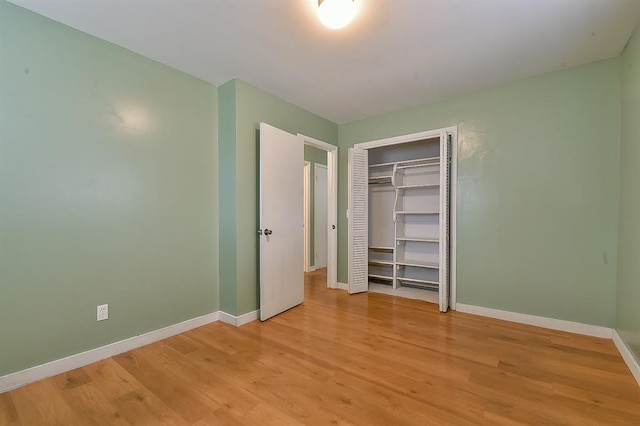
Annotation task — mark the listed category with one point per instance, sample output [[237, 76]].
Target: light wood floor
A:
[[366, 359]]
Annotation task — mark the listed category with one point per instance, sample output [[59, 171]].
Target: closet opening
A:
[[402, 216]]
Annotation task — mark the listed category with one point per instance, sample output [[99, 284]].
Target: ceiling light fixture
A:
[[336, 14]]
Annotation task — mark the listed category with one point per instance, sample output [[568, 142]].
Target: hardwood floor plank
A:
[[93, 406], [366, 359], [8, 412], [209, 384], [71, 379], [144, 408], [183, 343], [366, 403], [111, 378], [171, 386], [492, 419], [626, 405], [40, 404], [593, 374]]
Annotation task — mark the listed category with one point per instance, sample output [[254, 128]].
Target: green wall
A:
[[228, 195], [537, 190], [313, 156], [253, 106], [628, 310], [108, 192]]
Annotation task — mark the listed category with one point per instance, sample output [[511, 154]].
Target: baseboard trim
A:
[[627, 356], [342, 286], [39, 372], [238, 321], [554, 324]]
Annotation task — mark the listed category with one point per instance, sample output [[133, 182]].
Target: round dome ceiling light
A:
[[336, 14]]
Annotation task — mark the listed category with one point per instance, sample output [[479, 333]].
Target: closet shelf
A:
[[419, 240], [435, 185], [380, 180], [409, 163], [413, 166], [371, 166], [380, 248], [381, 262], [416, 212], [419, 283], [420, 162], [381, 277], [418, 264]]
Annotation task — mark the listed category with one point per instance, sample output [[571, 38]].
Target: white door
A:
[[320, 215], [445, 164], [281, 221], [358, 220]]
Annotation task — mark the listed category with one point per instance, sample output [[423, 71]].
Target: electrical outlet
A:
[[103, 312]]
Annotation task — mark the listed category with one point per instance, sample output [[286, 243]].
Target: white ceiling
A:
[[396, 53]]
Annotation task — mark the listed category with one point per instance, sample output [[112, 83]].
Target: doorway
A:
[[315, 208], [320, 215], [325, 230]]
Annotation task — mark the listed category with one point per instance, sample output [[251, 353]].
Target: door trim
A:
[[307, 215], [332, 206]]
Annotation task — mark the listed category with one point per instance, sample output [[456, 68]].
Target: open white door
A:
[[358, 220], [445, 173], [281, 221]]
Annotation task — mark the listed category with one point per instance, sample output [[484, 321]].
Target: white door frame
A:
[[307, 215], [317, 166], [453, 210], [332, 206]]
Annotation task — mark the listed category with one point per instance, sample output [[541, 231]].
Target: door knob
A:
[[268, 232]]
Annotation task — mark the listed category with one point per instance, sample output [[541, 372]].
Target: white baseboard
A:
[[627, 356], [39, 372], [342, 286], [239, 320], [554, 324]]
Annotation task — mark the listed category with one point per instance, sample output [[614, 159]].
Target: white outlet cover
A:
[[102, 312]]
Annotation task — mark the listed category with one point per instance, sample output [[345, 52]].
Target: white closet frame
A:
[[437, 133]]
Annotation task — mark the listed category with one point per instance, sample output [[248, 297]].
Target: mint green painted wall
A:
[[537, 190], [228, 196], [313, 156], [628, 311], [252, 107], [108, 192]]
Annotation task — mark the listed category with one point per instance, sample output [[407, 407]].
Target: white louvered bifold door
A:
[[358, 220], [445, 174]]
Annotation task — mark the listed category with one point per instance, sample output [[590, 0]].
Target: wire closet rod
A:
[[417, 160]]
